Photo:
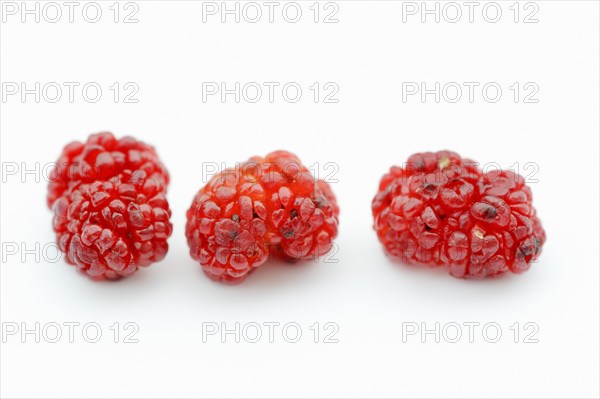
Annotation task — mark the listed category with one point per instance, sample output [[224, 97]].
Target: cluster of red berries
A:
[[111, 214], [266, 203], [441, 210]]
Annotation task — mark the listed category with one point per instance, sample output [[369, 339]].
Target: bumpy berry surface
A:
[[441, 210], [270, 204], [110, 209]]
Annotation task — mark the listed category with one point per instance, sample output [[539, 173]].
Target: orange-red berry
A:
[[110, 209], [264, 204], [441, 210]]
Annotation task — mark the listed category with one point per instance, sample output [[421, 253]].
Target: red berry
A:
[[111, 214], [441, 210], [270, 203]]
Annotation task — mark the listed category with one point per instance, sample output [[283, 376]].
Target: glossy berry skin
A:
[[265, 205], [111, 214], [441, 210]]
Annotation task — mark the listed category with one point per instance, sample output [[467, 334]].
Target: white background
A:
[[369, 53]]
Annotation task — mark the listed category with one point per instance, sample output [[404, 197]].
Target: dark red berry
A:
[[110, 209], [441, 210], [270, 203]]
